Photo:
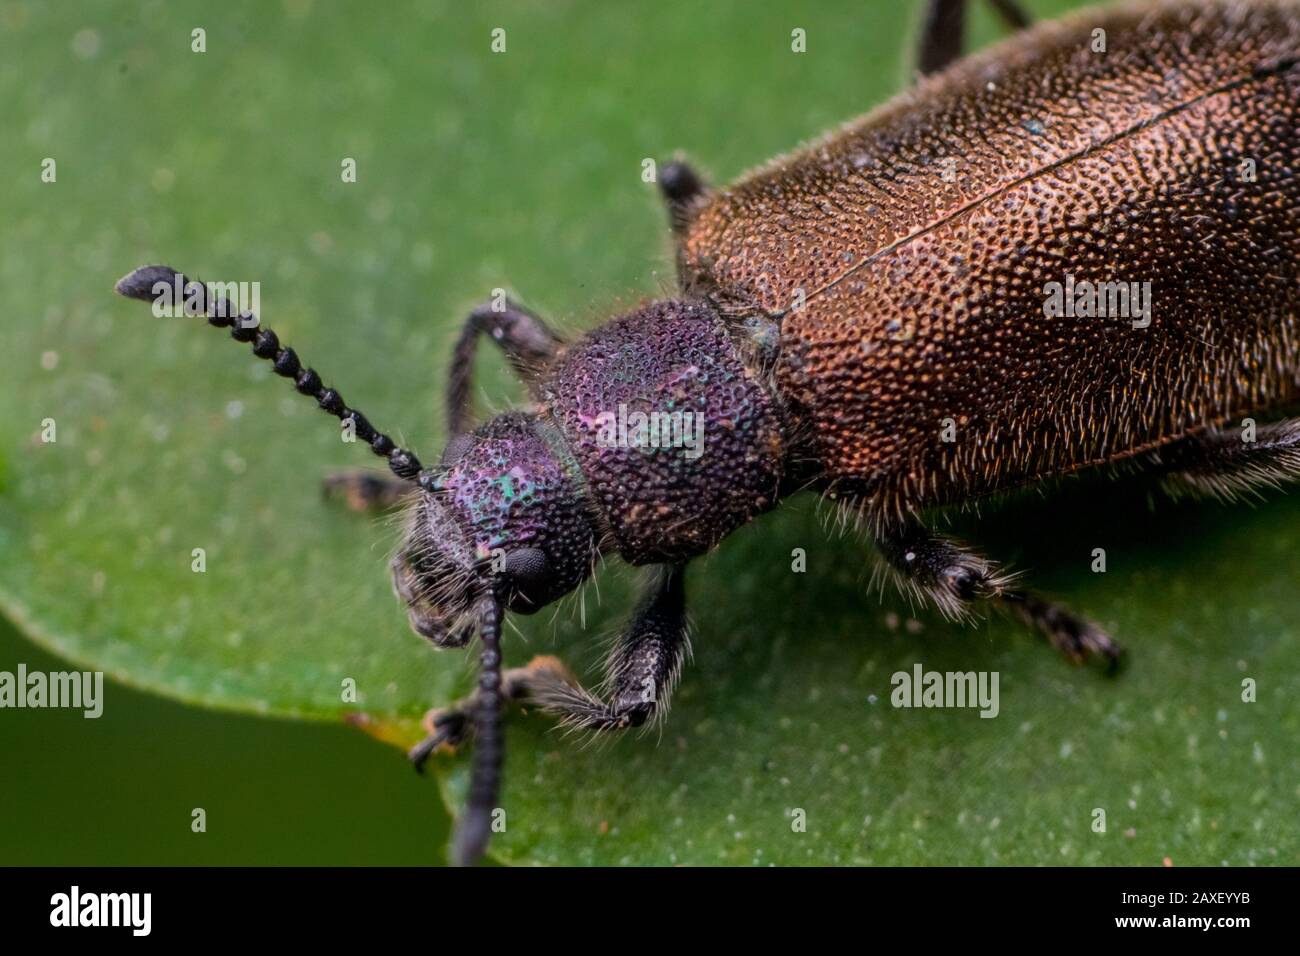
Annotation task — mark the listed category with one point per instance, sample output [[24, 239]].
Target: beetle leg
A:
[[449, 726], [641, 671], [1075, 637], [1222, 464], [936, 568], [944, 27], [956, 579], [942, 32], [684, 192], [529, 344], [367, 490], [1011, 13]]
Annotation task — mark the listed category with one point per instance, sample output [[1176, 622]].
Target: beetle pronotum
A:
[[883, 317]]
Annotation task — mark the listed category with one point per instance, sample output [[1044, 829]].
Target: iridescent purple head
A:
[[504, 507]]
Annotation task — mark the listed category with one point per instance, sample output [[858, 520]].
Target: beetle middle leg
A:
[[957, 579], [944, 27], [685, 195], [365, 489], [684, 191]]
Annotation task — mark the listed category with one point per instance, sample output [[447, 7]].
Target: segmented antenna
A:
[[489, 746], [475, 827], [244, 327]]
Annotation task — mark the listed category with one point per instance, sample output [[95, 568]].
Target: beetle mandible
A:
[[941, 301]]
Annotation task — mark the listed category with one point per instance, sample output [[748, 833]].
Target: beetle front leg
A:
[[944, 27], [450, 726], [528, 342], [642, 670], [957, 579], [641, 673]]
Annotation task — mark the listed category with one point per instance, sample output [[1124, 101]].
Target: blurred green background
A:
[[120, 789], [519, 170]]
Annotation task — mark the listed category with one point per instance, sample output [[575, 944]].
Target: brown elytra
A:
[[921, 238]]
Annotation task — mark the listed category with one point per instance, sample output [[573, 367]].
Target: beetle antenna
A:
[[489, 742], [150, 283]]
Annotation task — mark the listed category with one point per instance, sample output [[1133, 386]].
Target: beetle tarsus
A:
[[642, 671], [419, 754], [452, 726], [1076, 638], [956, 579], [366, 490]]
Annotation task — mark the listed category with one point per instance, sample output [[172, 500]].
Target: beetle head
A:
[[503, 513]]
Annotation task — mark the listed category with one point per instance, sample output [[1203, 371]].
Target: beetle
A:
[[879, 317]]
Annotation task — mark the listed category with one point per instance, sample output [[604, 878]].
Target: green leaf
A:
[[522, 170]]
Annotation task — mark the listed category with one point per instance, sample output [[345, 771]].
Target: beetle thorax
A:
[[678, 440]]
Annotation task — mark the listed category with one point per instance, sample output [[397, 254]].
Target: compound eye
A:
[[528, 571], [456, 449], [525, 566]]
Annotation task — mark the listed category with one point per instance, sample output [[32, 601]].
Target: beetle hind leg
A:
[[1222, 464], [958, 580]]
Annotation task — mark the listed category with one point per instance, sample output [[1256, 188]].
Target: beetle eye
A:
[[455, 449], [525, 566], [528, 572]]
